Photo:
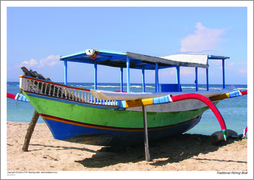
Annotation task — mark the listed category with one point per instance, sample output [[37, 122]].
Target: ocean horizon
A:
[[233, 110]]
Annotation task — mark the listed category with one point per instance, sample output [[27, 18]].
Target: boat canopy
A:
[[139, 61]]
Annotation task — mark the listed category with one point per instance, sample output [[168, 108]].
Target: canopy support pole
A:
[[121, 79], [178, 77], [223, 73], [128, 73], [207, 80], [143, 79], [156, 77], [196, 81], [65, 72], [147, 154], [95, 75]]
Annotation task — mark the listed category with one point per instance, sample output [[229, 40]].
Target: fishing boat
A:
[[97, 117]]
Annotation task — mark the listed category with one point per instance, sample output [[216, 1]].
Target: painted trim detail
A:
[[67, 121]]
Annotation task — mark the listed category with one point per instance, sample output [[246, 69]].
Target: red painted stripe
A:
[[54, 118]]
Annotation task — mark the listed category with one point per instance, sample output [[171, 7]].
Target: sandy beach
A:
[[181, 153]]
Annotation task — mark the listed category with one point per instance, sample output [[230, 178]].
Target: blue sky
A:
[[38, 36]]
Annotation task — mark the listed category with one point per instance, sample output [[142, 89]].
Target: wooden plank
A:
[[147, 154], [30, 130]]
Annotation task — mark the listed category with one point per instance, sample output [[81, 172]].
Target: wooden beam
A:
[[147, 154], [30, 130]]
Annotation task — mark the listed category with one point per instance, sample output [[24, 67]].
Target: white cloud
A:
[[204, 39], [30, 63], [48, 61]]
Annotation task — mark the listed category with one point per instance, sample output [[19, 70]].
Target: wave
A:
[[241, 88], [82, 86], [107, 86], [150, 86], [135, 86], [210, 88], [188, 87]]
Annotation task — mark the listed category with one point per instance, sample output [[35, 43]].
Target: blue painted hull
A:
[[62, 131]]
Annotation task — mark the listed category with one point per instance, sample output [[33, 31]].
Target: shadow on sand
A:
[[171, 150]]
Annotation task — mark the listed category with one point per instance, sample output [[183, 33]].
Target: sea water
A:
[[233, 110]]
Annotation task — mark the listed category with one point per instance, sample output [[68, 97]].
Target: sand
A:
[[181, 153]]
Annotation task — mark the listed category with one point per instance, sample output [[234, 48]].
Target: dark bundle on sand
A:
[[218, 136]]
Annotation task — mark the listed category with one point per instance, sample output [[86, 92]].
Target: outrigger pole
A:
[[169, 99]]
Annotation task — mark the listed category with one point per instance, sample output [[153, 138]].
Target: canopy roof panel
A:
[[138, 61]]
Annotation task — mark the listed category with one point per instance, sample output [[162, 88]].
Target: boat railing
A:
[[48, 88]]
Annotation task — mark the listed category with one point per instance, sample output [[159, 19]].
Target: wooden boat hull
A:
[[95, 136], [74, 115], [109, 126]]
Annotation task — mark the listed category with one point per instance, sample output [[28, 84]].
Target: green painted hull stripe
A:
[[109, 117]]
